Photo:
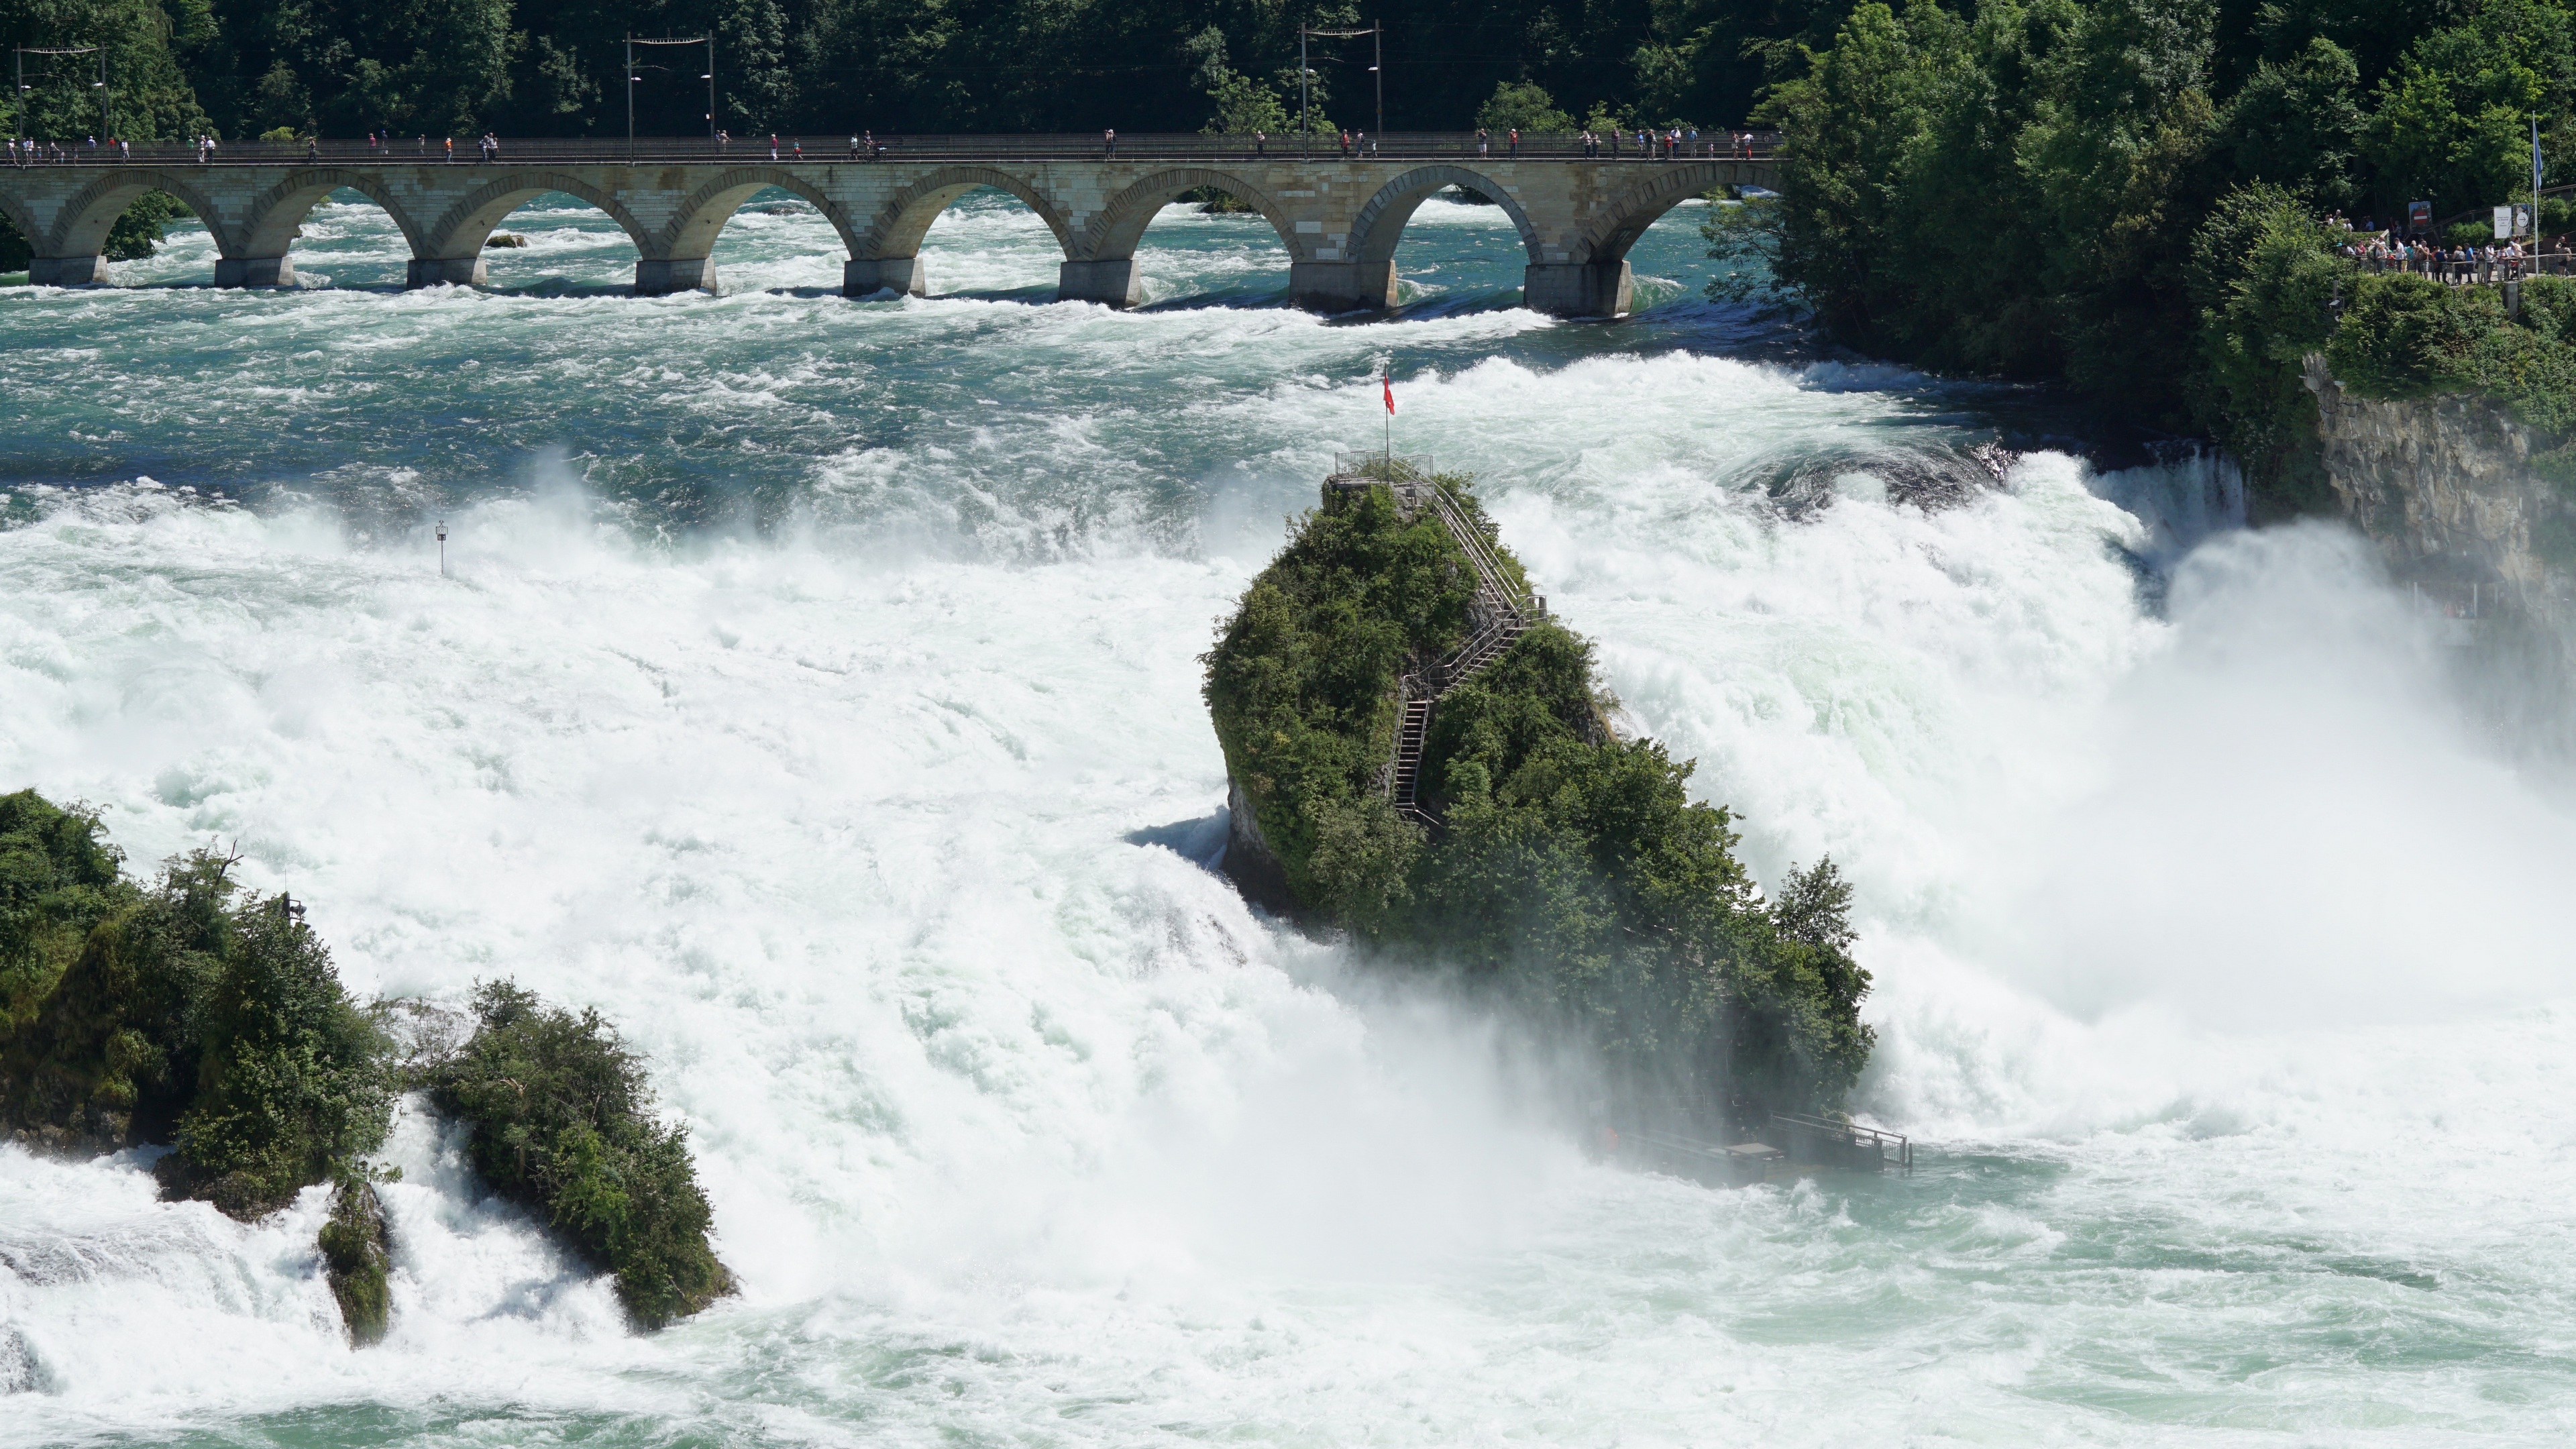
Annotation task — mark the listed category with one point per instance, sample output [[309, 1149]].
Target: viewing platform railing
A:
[[849, 147], [1840, 1144], [2478, 273]]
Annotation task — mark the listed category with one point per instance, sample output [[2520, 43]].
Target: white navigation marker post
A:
[[442, 548]]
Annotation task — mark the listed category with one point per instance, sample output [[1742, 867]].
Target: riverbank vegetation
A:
[[1569, 868], [187, 1014], [2129, 196]]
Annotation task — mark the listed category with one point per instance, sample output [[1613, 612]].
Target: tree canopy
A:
[[243, 68], [2125, 195]]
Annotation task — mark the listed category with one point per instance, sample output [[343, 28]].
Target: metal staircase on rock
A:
[[1507, 611]]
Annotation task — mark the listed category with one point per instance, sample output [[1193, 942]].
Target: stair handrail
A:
[[1448, 669], [1471, 541]]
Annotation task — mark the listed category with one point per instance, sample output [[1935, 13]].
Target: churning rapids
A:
[[815, 694]]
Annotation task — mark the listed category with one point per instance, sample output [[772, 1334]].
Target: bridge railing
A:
[[847, 148]]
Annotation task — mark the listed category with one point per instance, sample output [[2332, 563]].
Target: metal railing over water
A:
[[1828, 1142], [861, 147]]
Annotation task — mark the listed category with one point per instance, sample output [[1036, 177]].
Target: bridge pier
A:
[[659, 277], [66, 271], [1342, 286], [444, 272], [1114, 282], [254, 272], [904, 276], [1577, 289]]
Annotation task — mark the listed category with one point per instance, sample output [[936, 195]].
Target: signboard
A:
[[2512, 221], [2419, 214]]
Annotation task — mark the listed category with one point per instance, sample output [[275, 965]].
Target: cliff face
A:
[[2444, 486]]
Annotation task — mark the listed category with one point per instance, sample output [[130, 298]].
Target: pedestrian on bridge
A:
[[450, 142], [1516, 142], [1260, 144], [1109, 142], [1484, 142]]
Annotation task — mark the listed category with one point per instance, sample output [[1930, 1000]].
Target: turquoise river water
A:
[[814, 692]]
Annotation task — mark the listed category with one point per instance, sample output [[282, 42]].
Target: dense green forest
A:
[[2131, 196], [550, 67]]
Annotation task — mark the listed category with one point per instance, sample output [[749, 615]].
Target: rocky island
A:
[[1419, 755]]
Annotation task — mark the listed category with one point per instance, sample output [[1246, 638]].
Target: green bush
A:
[[2406, 336], [293, 1083], [561, 1122], [357, 1258], [2263, 276], [1570, 868]]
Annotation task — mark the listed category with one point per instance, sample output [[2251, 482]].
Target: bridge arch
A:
[[897, 229], [1380, 222], [1120, 227], [462, 230], [1641, 205], [709, 209], [80, 228], [20, 218], [276, 216]]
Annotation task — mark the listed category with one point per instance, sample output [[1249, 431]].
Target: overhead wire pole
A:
[[1376, 33], [18, 99], [633, 80]]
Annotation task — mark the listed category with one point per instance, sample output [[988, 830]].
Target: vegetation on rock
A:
[[561, 1119], [1569, 867], [174, 1013], [357, 1257], [170, 1013]]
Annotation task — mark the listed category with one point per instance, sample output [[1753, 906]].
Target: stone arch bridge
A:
[[1339, 219]]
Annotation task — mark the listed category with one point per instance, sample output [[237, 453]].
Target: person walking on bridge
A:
[[773, 145], [1109, 143], [1515, 142], [450, 143], [1484, 142]]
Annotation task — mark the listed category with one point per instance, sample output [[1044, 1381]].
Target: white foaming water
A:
[[2214, 951]]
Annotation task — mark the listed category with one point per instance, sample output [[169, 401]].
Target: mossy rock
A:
[[561, 1122], [357, 1258]]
